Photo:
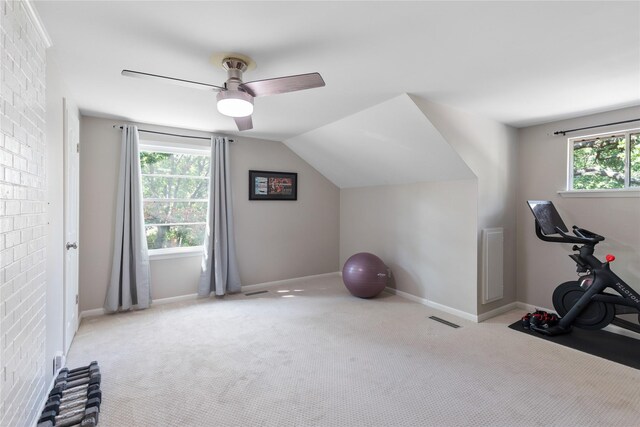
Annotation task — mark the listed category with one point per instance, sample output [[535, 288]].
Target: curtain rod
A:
[[564, 132], [172, 134]]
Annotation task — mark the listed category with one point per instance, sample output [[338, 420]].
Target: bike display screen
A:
[[547, 216]]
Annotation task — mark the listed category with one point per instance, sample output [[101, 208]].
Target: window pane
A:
[[167, 176], [599, 163], [162, 187], [174, 164], [174, 236], [163, 212], [634, 153]]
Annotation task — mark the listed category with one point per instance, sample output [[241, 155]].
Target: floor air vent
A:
[[437, 319]]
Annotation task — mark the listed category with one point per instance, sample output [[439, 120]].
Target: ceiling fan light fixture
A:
[[235, 103], [235, 98]]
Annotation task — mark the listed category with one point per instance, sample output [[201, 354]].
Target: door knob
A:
[[73, 245]]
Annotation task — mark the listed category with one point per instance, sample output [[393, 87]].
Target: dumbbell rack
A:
[[75, 398]]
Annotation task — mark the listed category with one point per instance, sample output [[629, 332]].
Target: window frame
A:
[[626, 191], [175, 148]]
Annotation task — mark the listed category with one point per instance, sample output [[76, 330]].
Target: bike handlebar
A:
[[582, 236]]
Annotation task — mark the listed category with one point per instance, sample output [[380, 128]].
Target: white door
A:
[[71, 209]]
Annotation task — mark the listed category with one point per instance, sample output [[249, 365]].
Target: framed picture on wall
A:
[[268, 185]]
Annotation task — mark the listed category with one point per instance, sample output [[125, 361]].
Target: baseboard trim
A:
[[432, 304], [459, 313], [621, 331], [46, 393], [179, 298], [498, 311], [101, 312], [257, 286], [92, 313], [611, 328], [531, 308]]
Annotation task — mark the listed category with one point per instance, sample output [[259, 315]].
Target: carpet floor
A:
[[307, 353]]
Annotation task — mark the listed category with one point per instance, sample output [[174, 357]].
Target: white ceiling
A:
[[519, 63], [391, 143]]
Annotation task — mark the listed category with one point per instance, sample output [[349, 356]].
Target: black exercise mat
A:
[[610, 346]]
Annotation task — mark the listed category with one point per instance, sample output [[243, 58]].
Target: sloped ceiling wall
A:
[[388, 144]]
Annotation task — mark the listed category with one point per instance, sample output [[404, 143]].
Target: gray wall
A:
[[490, 149], [542, 164], [275, 239], [424, 232], [98, 179]]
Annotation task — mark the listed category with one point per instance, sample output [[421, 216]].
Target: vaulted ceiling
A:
[[519, 63], [390, 143]]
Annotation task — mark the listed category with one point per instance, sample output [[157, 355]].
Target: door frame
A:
[[70, 219]]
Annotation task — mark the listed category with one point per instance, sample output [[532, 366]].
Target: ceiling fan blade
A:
[[180, 82], [282, 84], [244, 123]]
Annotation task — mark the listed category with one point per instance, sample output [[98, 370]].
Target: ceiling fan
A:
[[235, 98]]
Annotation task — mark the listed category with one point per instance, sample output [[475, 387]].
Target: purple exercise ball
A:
[[364, 275]]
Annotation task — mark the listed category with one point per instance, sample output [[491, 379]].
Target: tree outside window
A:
[[175, 197], [606, 162]]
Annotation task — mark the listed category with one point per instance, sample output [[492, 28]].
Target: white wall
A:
[[401, 149], [429, 143], [391, 143], [23, 216], [543, 170], [424, 232], [55, 236], [489, 148], [275, 239]]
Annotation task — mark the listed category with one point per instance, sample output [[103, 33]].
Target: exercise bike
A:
[[584, 303]]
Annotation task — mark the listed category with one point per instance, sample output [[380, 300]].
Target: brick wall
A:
[[22, 216]]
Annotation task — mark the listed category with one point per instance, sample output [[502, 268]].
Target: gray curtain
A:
[[219, 264], [129, 285]]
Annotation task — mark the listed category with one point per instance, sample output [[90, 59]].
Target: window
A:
[[607, 161], [175, 191]]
